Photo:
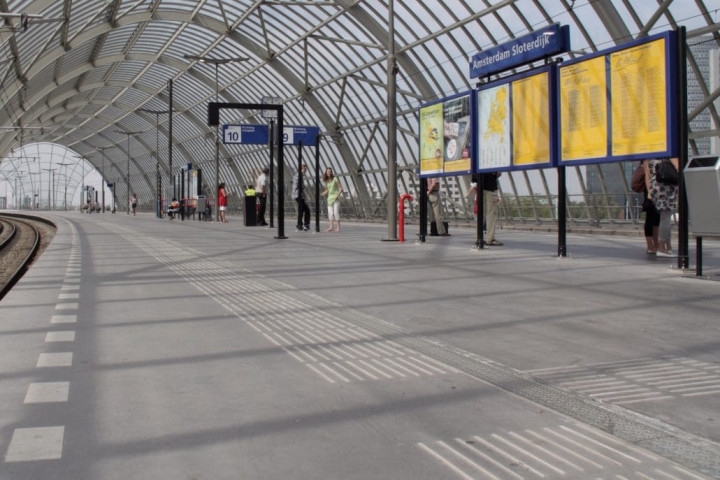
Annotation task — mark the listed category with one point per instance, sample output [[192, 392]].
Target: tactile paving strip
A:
[[684, 448]]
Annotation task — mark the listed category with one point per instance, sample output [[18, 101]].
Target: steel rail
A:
[[20, 270]]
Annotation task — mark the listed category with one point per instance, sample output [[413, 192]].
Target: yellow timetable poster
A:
[[431, 139], [638, 103], [583, 110], [531, 120]]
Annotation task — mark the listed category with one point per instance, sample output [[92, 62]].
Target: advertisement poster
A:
[[431, 140], [531, 120], [456, 135], [583, 110], [494, 127], [638, 99]]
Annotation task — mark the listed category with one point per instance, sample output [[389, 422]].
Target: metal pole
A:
[[217, 151], [562, 211], [272, 162], [317, 184], [103, 181], [392, 126], [683, 210], [158, 181], [170, 133], [280, 176], [128, 174]]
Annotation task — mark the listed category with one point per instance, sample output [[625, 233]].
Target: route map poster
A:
[[445, 136], [494, 127]]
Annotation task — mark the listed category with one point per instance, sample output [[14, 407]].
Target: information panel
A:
[[583, 110], [638, 80], [620, 104], [531, 120], [516, 122], [445, 132]]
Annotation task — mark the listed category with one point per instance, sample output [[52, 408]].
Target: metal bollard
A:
[[401, 215]]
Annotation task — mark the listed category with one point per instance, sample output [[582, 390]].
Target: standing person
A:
[[333, 189], [663, 197], [133, 203], [491, 201], [652, 217], [436, 209], [473, 192], [261, 194], [222, 201], [298, 193]]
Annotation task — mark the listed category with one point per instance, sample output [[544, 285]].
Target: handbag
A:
[[665, 173], [637, 182]]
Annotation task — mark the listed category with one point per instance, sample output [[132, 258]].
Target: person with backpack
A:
[[663, 194], [652, 217]]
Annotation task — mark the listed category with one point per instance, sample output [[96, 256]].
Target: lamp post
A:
[[158, 178], [217, 62], [49, 191], [82, 183], [64, 167], [102, 149], [127, 179]]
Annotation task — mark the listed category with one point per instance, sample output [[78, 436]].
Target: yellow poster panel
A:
[[638, 102], [531, 120], [431, 139], [583, 110]]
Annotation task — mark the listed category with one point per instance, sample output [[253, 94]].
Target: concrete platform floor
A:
[[144, 348]]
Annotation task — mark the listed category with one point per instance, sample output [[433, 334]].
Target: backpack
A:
[[637, 183], [666, 173]]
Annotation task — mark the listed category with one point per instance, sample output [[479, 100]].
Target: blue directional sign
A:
[[245, 134], [293, 135], [541, 43]]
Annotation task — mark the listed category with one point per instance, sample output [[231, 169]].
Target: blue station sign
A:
[[245, 134], [293, 135], [539, 44]]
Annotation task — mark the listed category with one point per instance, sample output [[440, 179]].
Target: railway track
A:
[[22, 238]]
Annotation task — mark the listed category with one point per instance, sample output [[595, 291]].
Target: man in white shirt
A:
[[261, 194]]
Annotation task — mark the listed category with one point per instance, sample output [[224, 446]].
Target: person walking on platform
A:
[[663, 196], [261, 194], [333, 189], [222, 201], [436, 208], [491, 201], [298, 193], [133, 203]]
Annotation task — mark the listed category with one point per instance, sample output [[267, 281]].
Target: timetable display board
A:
[[620, 104], [445, 136], [515, 122], [583, 110]]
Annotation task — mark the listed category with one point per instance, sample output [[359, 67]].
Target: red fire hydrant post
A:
[[401, 215]]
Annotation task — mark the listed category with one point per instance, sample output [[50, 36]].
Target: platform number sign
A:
[[245, 134], [294, 135]]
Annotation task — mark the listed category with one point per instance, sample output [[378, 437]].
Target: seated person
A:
[[174, 208]]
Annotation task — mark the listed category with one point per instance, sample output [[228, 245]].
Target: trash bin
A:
[[250, 216], [702, 187]]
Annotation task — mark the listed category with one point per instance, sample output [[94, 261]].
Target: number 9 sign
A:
[[288, 136]]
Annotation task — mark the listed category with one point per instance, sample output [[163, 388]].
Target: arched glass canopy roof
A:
[[89, 75]]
